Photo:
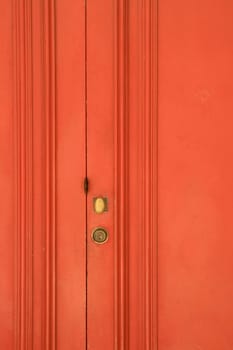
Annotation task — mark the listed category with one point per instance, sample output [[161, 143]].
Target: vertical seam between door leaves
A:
[[157, 151], [86, 194]]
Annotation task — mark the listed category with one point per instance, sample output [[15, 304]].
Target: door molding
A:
[[23, 166], [136, 175], [34, 57]]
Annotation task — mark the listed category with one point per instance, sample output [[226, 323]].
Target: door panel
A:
[[100, 170], [195, 175]]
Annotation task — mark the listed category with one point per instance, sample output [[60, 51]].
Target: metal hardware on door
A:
[[100, 205], [99, 235]]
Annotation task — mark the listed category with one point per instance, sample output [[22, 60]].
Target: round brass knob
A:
[[100, 235]]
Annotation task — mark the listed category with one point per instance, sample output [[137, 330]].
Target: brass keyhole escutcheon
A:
[[100, 235]]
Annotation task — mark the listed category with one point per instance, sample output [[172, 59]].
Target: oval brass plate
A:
[[100, 205], [100, 235]]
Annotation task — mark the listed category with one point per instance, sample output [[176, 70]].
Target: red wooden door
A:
[[127, 104]]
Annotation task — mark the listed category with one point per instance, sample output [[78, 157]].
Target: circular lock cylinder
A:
[[100, 235]]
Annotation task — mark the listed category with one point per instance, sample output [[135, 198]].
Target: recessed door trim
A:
[[136, 175]]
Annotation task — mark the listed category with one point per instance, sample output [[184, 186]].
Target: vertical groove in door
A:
[[121, 177], [155, 34], [24, 174], [86, 170], [49, 151], [154, 60]]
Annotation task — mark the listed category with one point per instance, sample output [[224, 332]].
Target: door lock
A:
[[99, 235]]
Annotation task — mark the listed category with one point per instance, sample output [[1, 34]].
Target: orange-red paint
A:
[[136, 96]]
